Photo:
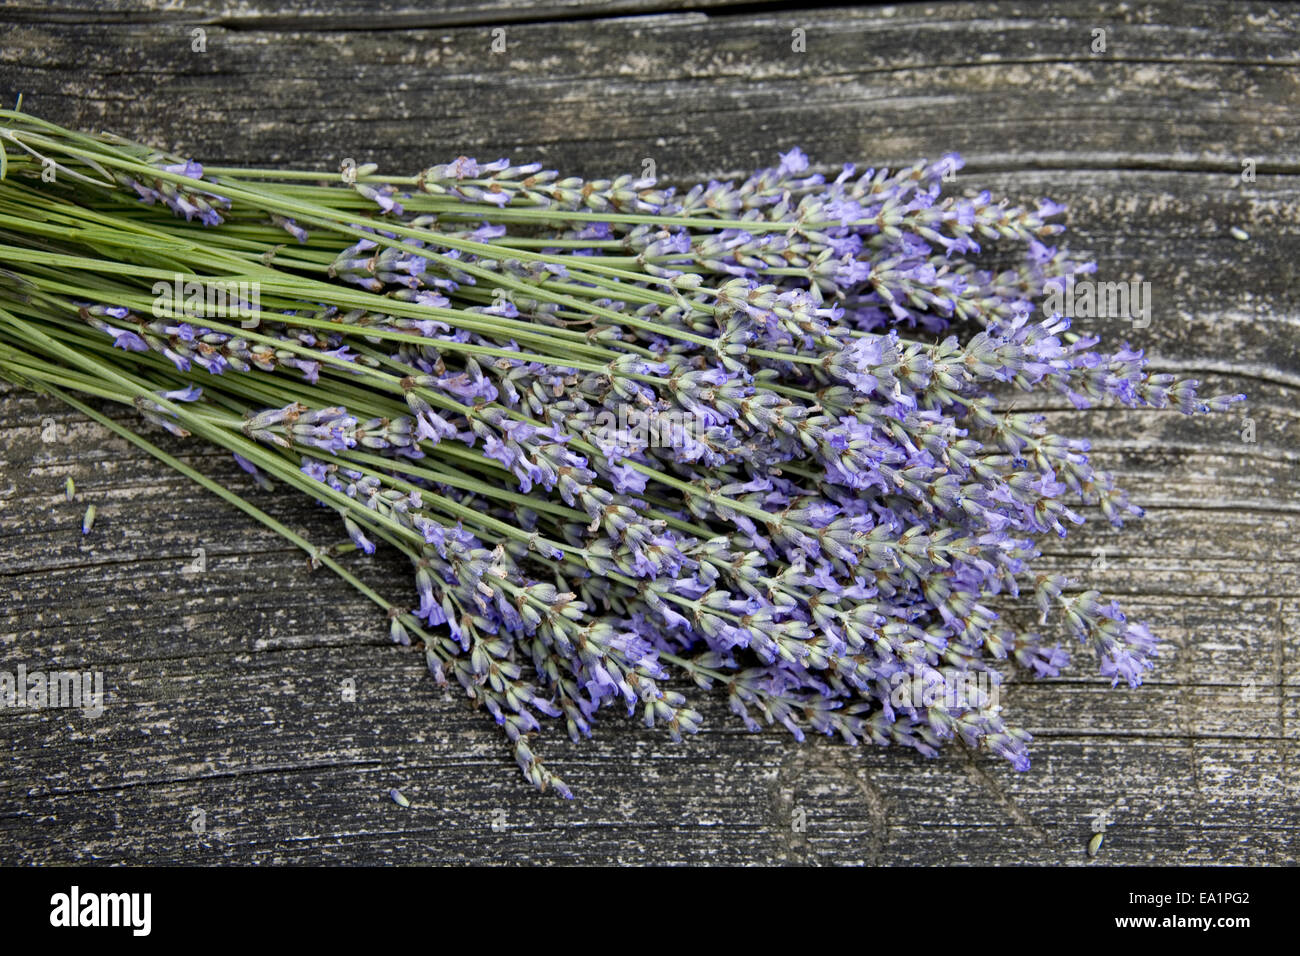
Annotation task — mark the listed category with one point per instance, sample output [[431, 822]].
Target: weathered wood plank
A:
[[346, 14], [1000, 83], [225, 688]]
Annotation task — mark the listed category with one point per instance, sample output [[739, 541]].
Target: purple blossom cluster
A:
[[182, 199], [836, 497]]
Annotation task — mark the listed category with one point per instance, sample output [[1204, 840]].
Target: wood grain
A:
[[225, 687]]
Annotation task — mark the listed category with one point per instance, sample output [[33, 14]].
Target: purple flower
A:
[[627, 480], [793, 162], [124, 339], [359, 539], [188, 168], [382, 197], [190, 393], [314, 469]]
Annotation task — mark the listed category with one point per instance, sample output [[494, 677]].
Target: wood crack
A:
[[1003, 799]]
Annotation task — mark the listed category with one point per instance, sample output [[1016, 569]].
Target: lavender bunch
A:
[[752, 435]]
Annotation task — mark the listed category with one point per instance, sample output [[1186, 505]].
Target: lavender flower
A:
[[766, 450]]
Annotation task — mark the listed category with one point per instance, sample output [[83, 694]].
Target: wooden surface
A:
[[225, 687]]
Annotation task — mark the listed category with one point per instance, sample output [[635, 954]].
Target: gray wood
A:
[[225, 688]]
